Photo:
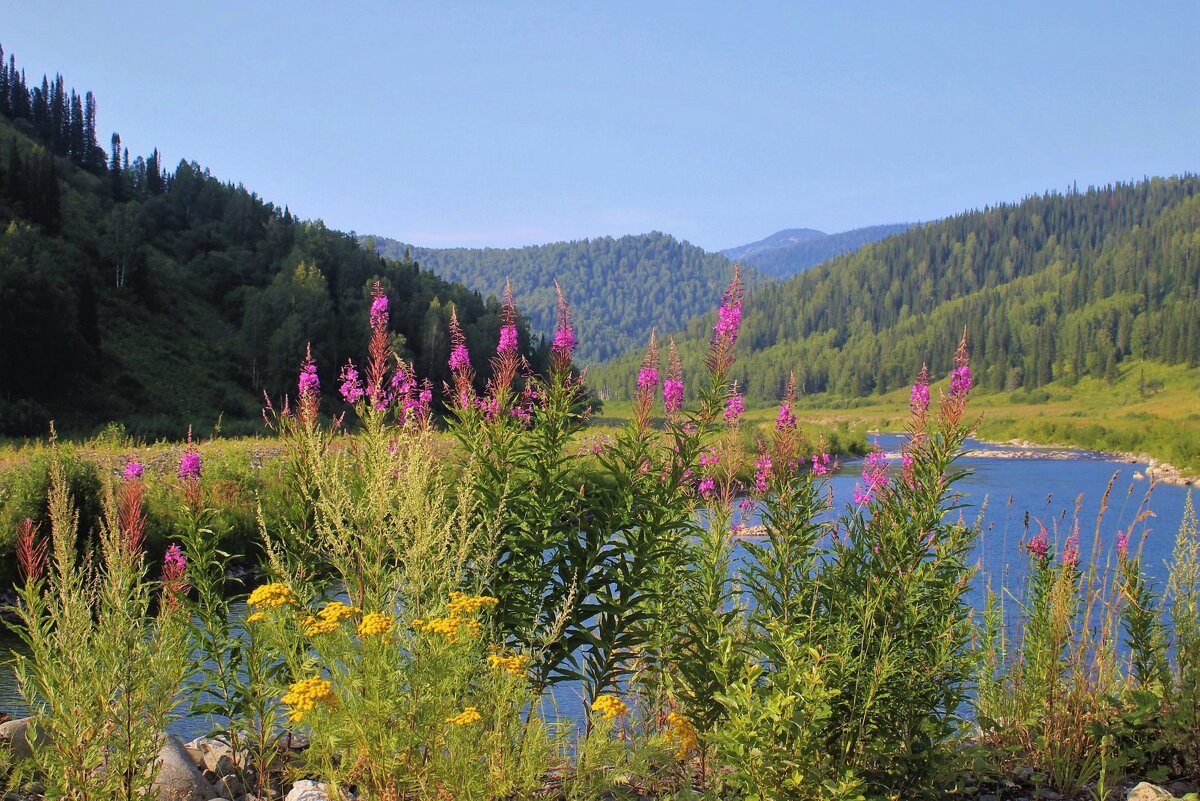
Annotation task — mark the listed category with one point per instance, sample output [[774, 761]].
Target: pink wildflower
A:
[[1040, 544], [762, 473], [785, 420], [822, 465], [564, 332], [352, 388], [874, 476], [508, 339], [734, 406], [133, 470], [1123, 545]]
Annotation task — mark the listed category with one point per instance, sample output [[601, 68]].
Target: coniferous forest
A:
[[1058, 286], [619, 287], [162, 296]]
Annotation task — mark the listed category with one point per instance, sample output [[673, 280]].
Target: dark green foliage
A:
[[164, 298], [619, 288], [1053, 287]]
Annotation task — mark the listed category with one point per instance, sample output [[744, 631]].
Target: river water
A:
[[1000, 489]]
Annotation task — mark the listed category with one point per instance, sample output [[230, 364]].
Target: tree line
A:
[[1059, 286], [160, 297]]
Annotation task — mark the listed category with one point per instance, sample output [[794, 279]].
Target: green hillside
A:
[[161, 298], [619, 288], [1054, 288]]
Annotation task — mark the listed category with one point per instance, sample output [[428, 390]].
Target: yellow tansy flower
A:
[[257, 616], [304, 696], [515, 665], [272, 595], [682, 732], [463, 605], [465, 718], [336, 612], [610, 706], [374, 623], [317, 627]]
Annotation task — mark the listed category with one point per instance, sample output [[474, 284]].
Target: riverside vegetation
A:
[[413, 630]]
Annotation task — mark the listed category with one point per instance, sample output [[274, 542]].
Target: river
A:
[[1001, 483]]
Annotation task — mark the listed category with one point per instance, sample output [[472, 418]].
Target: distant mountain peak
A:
[[794, 250], [787, 236]]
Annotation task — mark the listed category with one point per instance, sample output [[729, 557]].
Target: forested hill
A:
[[795, 250], [161, 298], [1058, 286], [618, 288]]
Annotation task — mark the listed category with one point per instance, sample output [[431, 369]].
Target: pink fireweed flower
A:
[[352, 388], [874, 476], [729, 322], [746, 504], [190, 465], [960, 380], [460, 359], [822, 464], [647, 383], [919, 400], [1040, 544], [564, 333], [174, 576], [734, 406], [672, 395], [508, 339], [309, 383], [706, 487], [378, 309], [1070, 554], [133, 470], [762, 473], [785, 420], [174, 559], [1123, 545], [708, 457], [673, 385]]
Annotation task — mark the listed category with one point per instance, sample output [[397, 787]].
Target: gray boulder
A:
[[14, 734], [1148, 792], [178, 778]]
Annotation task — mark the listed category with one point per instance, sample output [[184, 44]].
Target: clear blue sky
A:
[[506, 123]]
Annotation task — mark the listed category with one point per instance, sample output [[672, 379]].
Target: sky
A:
[[509, 123]]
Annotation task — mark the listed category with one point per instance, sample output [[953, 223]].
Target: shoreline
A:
[[1156, 471]]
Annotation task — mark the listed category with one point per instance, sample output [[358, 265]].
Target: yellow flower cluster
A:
[[465, 718], [610, 706], [272, 595], [304, 696], [463, 605], [682, 732], [328, 619], [314, 626], [257, 616], [459, 621], [452, 628], [374, 623], [336, 612], [514, 665]]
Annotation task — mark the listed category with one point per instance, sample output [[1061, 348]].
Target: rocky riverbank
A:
[[1158, 471]]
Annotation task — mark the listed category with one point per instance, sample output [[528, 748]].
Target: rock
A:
[[307, 790], [989, 797], [1148, 792], [219, 759], [14, 734], [178, 778], [230, 786], [1180, 789]]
